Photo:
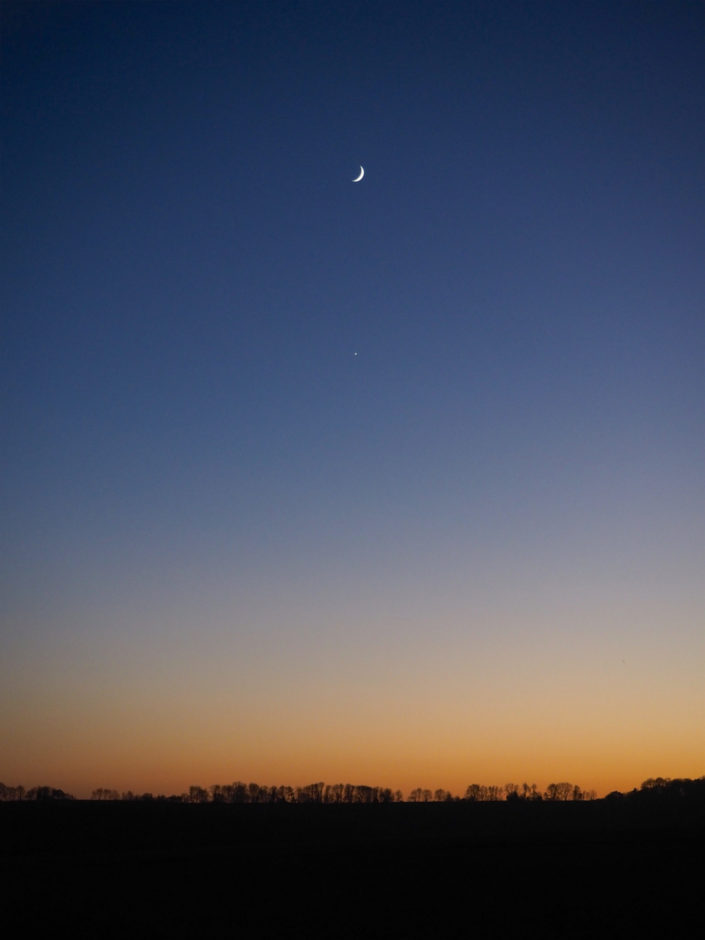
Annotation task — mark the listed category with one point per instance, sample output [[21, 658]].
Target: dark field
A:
[[402, 870]]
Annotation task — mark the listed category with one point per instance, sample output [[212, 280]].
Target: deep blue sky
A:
[[192, 447]]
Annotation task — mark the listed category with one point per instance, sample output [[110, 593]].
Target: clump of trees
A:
[[527, 792], [659, 791], [561, 792], [12, 794], [311, 793], [102, 793]]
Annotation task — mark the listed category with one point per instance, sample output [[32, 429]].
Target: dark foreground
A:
[[100, 870]]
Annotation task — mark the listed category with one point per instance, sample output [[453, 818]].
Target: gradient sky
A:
[[396, 483]]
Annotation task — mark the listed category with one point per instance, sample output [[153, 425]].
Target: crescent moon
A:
[[362, 173]]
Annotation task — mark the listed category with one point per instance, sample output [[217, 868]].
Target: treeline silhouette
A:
[[655, 790], [319, 792], [11, 794]]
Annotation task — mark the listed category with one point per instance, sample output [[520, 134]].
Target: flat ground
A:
[[101, 870]]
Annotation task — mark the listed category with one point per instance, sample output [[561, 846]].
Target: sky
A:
[[396, 482]]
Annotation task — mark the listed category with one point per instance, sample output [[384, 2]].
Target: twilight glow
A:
[[398, 483]]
